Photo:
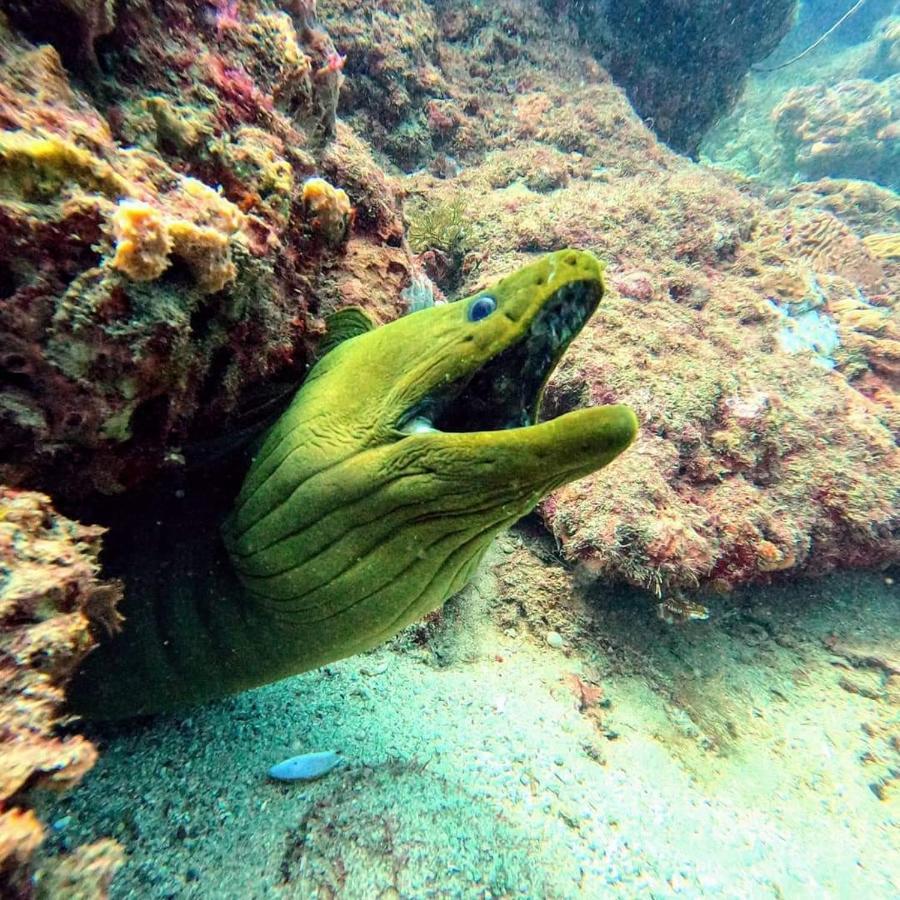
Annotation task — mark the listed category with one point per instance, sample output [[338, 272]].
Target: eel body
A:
[[375, 495]]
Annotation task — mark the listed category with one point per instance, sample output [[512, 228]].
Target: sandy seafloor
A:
[[742, 756]]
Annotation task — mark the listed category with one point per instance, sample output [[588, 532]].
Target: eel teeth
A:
[[418, 425]]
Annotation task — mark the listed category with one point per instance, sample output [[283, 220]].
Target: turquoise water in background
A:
[[855, 54]]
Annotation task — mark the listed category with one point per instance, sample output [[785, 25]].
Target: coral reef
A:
[[199, 263], [391, 72], [724, 318], [429, 83], [863, 206], [50, 602], [847, 130], [884, 246], [434, 86], [181, 207], [161, 261], [159, 264]]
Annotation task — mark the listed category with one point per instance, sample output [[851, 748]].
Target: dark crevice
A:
[[178, 274], [150, 420], [19, 380], [9, 284], [54, 23], [202, 318], [212, 384]]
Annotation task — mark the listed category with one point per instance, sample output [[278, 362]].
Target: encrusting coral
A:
[[885, 246], [851, 129], [864, 206]]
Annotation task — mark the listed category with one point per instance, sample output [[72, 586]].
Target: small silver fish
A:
[[305, 767]]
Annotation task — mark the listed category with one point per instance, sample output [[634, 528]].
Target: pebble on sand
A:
[[305, 767]]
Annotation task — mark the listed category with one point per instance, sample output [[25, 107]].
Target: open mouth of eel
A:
[[506, 391]]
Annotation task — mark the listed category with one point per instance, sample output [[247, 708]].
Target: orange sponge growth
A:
[[143, 244], [146, 237], [328, 210]]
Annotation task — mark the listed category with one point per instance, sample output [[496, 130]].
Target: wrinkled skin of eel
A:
[[374, 497]]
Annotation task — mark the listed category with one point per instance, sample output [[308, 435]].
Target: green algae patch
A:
[[441, 226]]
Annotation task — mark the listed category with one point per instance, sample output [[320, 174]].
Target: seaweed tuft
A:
[[441, 227]]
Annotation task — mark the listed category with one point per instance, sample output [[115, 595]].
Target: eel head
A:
[[409, 447]]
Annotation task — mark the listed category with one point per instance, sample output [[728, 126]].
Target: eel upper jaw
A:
[[505, 391]]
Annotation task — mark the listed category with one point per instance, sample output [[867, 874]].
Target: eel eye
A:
[[481, 308]]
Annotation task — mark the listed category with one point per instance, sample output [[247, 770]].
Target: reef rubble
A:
[[52, 604]]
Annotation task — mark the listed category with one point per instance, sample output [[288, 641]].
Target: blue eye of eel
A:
[[481, 308]]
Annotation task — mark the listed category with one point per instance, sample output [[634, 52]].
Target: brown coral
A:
[[884, 246], [864, 206], [832, 248]]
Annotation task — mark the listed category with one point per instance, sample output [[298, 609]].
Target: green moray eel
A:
[[375, 495]]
